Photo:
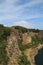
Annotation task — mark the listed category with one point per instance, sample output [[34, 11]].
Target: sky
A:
[[26, 13]]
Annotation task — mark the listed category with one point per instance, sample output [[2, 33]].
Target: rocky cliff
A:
[[20, 45]]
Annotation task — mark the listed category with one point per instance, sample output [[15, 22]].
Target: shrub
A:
[[23, 60]]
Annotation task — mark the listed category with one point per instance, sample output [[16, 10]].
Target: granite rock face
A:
[[13, 50]]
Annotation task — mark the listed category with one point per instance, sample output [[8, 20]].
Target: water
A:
[[39, 57]]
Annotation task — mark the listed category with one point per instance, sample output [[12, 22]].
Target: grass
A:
[[3, 53], [23, 60], [4, 32], [36, 40]]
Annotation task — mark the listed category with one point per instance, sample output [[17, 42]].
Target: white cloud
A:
[[9, 5], [12, 18], [23, 24], [34, 2], [29, 4], [10, 11]]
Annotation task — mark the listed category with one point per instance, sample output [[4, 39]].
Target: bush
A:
[[22, 29], [3, 53], [23, 60], [4, 32]]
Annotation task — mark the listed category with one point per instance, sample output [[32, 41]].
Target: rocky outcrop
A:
[[29, 44], [13, 50], [27, 39], [32, 52]]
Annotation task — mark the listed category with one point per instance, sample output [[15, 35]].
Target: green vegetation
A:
[[4, 32], [34, 30], [22, 29], [23, 60], [3, 54], [36, 40], [21, 47]]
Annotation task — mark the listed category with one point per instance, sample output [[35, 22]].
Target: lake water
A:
[[39, 57]]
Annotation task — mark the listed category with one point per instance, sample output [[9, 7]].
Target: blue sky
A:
[[26, 13]]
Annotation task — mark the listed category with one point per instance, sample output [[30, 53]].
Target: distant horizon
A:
[[21, 26], [25, 13]]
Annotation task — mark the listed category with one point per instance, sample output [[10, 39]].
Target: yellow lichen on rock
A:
[[26, 39]]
